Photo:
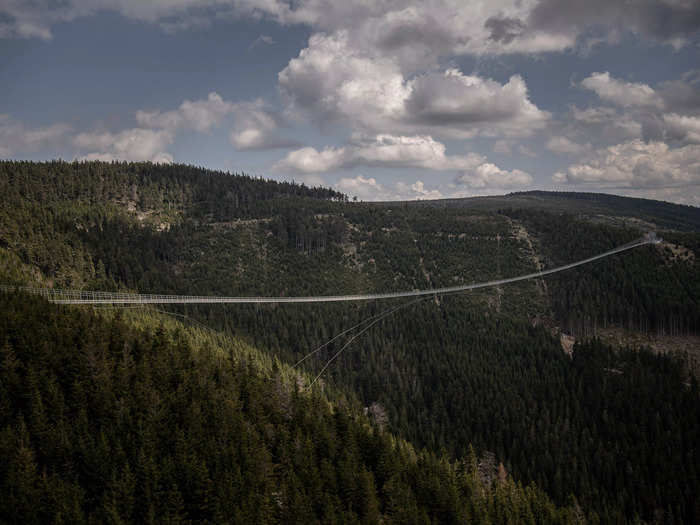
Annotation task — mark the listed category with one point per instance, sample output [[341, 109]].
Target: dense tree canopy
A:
[[103, 423]]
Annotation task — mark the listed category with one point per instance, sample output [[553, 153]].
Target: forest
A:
[[607, 433], [101, 422]]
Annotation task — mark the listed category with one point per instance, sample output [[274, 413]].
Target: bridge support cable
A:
[[347, 330], [381, 315], [377, 318]]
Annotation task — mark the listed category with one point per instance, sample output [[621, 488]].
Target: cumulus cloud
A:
[[331, 80], [625, 94], [564, 146], [469, 103], [200, 115], [669, 21], [310, 160], [417, 33], [132, 144], [157, 131], [637, 165], [682, 95], [488, 175], [417, 190], [605, 123], [368, 189], [594, 115], [364, 188], [390, 151], [682, 127], [256, 127], [669, 113], [381, 150], [16, 137]]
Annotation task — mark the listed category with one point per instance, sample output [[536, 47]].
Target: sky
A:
[[379, 99]]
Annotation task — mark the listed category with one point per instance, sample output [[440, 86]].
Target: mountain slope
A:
[[101, 422]]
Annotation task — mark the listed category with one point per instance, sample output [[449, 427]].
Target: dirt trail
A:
[[520, 233]]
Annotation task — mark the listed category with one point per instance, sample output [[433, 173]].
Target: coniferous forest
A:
[[459, 408]]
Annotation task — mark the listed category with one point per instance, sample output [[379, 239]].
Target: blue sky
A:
[[383, 100]]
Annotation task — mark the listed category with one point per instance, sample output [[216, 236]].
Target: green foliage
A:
[[641, 292], [101, 422]]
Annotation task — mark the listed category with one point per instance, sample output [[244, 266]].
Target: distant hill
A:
[[659, 213]]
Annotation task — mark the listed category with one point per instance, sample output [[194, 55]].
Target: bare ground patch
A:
[[660, 344]]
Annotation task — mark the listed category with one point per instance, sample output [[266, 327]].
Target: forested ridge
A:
[[616, 428]]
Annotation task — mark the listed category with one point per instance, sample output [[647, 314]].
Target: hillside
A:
[[159, 425], [616, 428]]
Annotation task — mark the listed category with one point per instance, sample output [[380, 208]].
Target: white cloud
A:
[[17, 137], [626, 94], [416, 32], [682, 95], [643, 116], [682, 127], [310, 160], [331, 80], [256, 127], [363, 188], [132, 144], [157, 131], [468, 104], [368, 189], [564, 146], [381, 150], [417, 190], [403, 152], [200, 115], [637, 165], [671, 113], [673, 22], [595, 115], [488, 175], [605, 123]]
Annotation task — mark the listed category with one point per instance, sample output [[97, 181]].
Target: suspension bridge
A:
[[62, 296]]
